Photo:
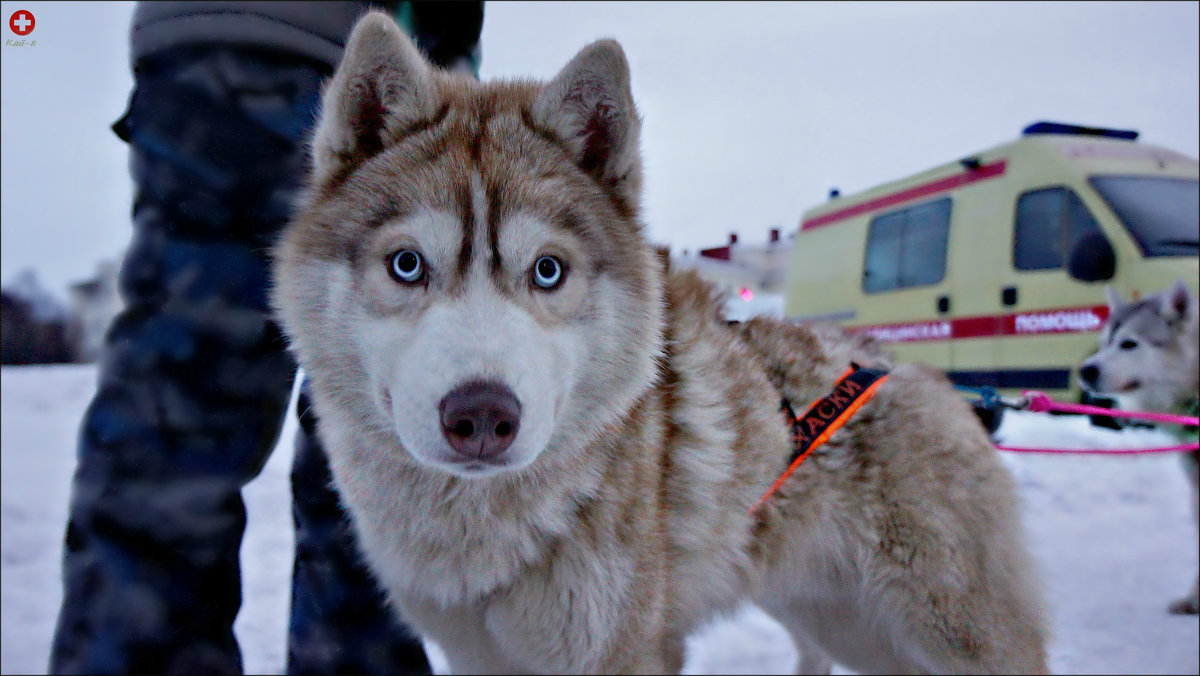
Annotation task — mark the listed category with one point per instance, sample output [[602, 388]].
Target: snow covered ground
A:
[[1113, 536]]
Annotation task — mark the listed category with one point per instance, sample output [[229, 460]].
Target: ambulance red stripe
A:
[[982, 173], [1039, 322]]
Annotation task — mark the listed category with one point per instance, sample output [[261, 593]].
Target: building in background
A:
[[750, 276]]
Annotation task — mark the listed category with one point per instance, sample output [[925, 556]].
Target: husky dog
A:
[[1148, 361], [549, 443]]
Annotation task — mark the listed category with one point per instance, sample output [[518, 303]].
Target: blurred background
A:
[[752, 113]]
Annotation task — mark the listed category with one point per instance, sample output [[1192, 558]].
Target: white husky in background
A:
[[1148, 361], [549, 442]]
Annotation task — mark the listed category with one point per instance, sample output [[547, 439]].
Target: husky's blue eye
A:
[[547, 272], [406, 266]]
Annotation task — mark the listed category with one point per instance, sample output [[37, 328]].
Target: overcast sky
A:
[[752, 111]]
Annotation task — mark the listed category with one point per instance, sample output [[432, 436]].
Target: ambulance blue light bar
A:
[[1078, 130]]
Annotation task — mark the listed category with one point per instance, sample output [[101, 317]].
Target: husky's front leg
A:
[[462, 634], [588, 613], [1190, 604], [539, 626]]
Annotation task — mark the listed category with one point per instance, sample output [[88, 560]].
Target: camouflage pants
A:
[[193, 388]]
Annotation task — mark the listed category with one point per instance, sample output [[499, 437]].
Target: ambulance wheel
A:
[[1104, 421], [989, 416]]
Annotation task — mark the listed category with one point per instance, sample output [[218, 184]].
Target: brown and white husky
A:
[[549, 442]]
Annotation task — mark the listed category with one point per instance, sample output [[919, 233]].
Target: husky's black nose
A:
[[1089, 374], [480, 419]]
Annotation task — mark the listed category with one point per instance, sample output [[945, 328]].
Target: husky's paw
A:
[[1188, 605]]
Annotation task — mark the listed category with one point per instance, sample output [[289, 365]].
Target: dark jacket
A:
[[443, 30]]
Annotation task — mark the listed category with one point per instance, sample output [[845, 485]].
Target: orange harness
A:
[[824, 417]]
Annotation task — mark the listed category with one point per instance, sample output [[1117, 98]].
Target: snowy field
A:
[[1113, 536]]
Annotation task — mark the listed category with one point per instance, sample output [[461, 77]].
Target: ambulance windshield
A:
[[1162, 214]]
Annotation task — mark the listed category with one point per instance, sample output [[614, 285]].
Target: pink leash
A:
[[1038, 402]]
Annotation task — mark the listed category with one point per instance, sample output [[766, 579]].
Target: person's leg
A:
[[193, 384], [339, 619], [340, 622]]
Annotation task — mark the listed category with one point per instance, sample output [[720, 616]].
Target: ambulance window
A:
[[1048, 222], [907, 247], [1160, 213]]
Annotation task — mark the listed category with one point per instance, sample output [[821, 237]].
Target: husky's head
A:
[[468, 276], [1148, 353]]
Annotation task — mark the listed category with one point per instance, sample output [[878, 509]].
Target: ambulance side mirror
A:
[[1092, 259]]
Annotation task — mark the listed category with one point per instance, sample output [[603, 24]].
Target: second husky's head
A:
[[467, 276], [1148, 353]]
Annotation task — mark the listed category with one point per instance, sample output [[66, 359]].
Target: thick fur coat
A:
[[587, 508]]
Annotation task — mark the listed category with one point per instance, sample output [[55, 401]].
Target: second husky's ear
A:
[[589, 105], [1114, 299], [1178, 303], [381, 87]]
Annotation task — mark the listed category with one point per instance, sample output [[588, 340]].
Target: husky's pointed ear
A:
[[381, 86], [589, 105], [1178, 304], [1114, 299]]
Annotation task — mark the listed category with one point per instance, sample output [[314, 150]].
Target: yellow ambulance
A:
[[993, 267]]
